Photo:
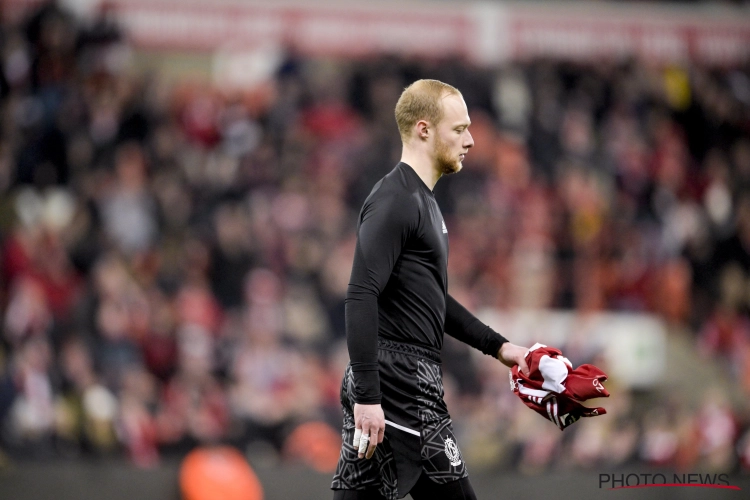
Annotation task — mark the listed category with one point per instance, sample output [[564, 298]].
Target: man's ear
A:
[[423, 130]]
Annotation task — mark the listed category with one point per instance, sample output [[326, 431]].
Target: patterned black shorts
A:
[[418, 436]]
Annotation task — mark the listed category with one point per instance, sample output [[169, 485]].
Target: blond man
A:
[[398, 437]]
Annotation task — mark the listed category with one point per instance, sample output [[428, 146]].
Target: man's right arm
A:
[[384, 229], [382, 233]]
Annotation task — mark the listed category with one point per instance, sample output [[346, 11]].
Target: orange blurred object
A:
[[218, 473], [316, 444]]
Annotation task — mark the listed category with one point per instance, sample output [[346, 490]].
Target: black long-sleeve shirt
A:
[[399, 284]]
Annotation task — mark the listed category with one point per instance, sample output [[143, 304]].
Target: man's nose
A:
[[468, 140]]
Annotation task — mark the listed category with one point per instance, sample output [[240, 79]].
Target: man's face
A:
[[452, 138]]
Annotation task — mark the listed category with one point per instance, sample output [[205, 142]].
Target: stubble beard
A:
[[445, 162]]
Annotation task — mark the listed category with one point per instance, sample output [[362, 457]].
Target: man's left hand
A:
[[511, 355]]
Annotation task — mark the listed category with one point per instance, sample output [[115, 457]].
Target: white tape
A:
[[357, 435], [364, 441]]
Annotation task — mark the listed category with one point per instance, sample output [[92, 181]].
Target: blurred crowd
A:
[[175, 257]]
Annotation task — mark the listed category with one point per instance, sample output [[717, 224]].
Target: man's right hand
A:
[[370, 421]]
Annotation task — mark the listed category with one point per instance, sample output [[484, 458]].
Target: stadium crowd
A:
[[175, 257]]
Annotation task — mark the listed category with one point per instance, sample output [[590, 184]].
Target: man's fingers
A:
[[371, 448], [523, 366], [357, 435], [376, 439], [364, 443]]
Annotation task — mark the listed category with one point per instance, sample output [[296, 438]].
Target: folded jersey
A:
[[554, 389]]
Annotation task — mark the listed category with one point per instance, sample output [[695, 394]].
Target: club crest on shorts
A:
[[451, 451]]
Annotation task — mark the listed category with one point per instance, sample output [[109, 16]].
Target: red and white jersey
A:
[[554, 389]]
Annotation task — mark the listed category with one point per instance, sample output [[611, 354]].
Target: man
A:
[[397, 308]]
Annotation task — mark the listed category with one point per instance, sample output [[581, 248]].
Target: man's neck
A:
[[423, 167]]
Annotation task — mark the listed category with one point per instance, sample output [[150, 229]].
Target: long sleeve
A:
[[384, 229], [464, 326]]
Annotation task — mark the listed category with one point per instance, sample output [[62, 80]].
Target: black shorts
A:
[[418, 436]]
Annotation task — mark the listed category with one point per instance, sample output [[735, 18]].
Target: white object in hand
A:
[[364, 441]]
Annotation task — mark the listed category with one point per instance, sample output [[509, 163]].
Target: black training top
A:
[[399, 284]]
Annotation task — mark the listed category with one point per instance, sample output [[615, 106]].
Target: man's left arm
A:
[[464, 326]]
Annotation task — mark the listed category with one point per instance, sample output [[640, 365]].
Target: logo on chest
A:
[[445, 229]]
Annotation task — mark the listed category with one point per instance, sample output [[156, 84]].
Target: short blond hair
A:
[[421, 101]]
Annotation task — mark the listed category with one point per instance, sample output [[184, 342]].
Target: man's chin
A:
[[452, 168]]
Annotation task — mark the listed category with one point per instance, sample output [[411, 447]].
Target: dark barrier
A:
[[120, 481]]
